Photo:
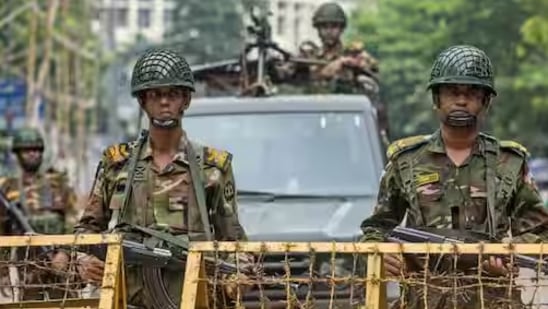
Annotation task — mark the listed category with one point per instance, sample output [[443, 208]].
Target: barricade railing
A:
[[352, 275], [29, 278]]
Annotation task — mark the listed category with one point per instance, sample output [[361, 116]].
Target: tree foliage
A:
[[407, 35]]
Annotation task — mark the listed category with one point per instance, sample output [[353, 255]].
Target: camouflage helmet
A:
[[160, 68], [463, 64], [27, 138], [329, 12]]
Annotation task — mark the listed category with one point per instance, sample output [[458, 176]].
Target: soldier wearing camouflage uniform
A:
[[459, 173], [163, 197], [45, 196], [344, 63], [49, 204]]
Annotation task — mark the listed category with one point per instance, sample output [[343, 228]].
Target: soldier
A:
[[330, 22], [461, 174], [45, 196], [165, 193], [349, 69], [332, 68], [49, 204]]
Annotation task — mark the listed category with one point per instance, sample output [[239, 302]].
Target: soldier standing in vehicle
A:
[[459, 174], [349, 69], [165, 193], [343, 62], [44, 195]]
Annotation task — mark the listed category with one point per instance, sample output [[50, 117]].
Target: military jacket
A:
[[46, 198], [344, 80], [164, 198], [422, 183], [431, 185]]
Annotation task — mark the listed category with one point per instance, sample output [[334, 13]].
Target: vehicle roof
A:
[[280, 103]]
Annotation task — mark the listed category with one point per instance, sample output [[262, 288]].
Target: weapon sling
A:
[[153, 278], [198, 185], [117, 214]]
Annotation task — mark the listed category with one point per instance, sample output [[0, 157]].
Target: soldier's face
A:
[[30, 159], [461, 100], [166, 102], [330, 33]]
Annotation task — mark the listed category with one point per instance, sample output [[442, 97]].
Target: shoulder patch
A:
[[116, 153], [515, 147], [405, 144], [218, 158]]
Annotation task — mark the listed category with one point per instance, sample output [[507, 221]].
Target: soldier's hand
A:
[[60, 261], [236, 281], [90, 268], [498, 267], [333, 68], [393, 265]]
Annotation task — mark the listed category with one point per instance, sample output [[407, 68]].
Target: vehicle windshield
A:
[[323, 153]]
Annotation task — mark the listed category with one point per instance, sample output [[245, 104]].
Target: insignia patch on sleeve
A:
[[218, 158], [116, 153], [229, 191]]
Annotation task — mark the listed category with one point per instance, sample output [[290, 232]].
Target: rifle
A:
[[20, 219], [157, 260], [426, 235], [137, 253]]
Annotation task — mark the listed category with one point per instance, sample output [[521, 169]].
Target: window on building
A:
[[143, 18], [120, 17], [297, 30], [281, 24], [282, 12], [168, 18], [96, 13]]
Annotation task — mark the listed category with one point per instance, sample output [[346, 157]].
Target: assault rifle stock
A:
[[411, 235]]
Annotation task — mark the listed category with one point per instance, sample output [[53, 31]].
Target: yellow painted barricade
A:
[[65, 282], [440, 272]]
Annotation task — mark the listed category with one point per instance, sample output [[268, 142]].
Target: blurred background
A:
[[66, 64]]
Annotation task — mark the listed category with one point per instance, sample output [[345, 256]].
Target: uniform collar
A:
[[180, 156], [436, 144], [337, 51]]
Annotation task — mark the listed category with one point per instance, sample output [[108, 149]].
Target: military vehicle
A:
[[306, 166], [306, 169]]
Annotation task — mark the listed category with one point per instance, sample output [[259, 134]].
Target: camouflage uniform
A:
[[163, 199], [48, 200], [49, 204], [342, 80], [422, 182]]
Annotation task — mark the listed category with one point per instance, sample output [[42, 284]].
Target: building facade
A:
[[119, 23]]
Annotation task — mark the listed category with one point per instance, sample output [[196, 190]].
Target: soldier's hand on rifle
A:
[[90, 268], [498, 267], [334, 67], [393, 265], [241, 280]]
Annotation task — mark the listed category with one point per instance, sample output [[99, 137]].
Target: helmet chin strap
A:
[[165, 123], [461, 119]]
